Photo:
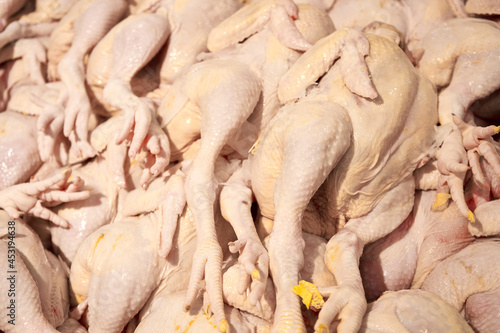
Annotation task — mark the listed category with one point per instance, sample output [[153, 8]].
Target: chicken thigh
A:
[[337, 133], [18, 148]]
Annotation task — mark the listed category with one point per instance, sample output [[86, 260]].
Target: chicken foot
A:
[[347, 300], [283, 188], [89, 28], [28, 197], [224, 107], [139, 117], [236, 202]]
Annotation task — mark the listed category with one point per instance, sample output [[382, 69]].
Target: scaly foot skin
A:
[[478, 142], [49, 125], [29, 197], [158, 153], [452, 164], [208, 262], [33, 54], [172, 207], [463, 147], [254, 264], [346, 301], [140, 130]]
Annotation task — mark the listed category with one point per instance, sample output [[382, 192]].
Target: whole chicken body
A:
[[274, 166]]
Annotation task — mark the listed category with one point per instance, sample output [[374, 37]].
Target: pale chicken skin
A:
[[145, 34], [461, 57], [470, 274], [116, 286], [354, 186], [40, 279], [18, 148], [412, 311], [406, 256], [214, 98]]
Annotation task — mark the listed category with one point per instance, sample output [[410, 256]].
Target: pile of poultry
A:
[[249, 166]]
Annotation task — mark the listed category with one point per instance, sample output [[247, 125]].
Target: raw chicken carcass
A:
[[104, 175], [139, 116], [18, 148], [407, 255], [218, 112], [368, 162], [89, 27], [37, 272], [470, 274], [462, 57], [39, 23], [412, 311], [115, 270]]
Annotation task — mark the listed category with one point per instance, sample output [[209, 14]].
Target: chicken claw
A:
[[254, 263], [208, 262], [28, 197], [345, 299], [478, 142], [158, 148], [172, 207], [49, 125], [452, 164]]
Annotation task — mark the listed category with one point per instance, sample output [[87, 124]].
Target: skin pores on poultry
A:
[[101, 65], [262, 54], [103, 176], [18, 148], [480, 311], [90, 26], [28, 313], [190, 23], [115, 270], [411, 251], [461, 57], [360, 13], [375, 163], [471, 272], [44, 304], [62, 37], [412, 311]]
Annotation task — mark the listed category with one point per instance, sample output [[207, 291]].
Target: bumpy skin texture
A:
[[88, 215], [18, 148], [191, 22], [90, 26], [397, 312], [461, 56], [222, 107], [45, 270], [470, 271], [138, 116], [28, 315], [480, 311], [405, 257], [367, 176], [196, 320], [116, 269]]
